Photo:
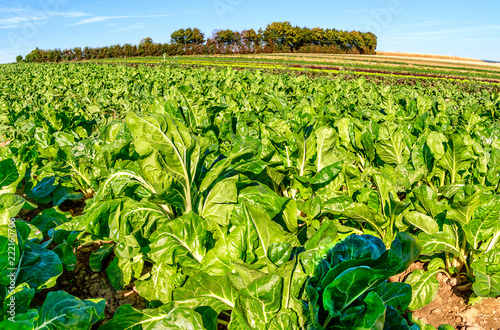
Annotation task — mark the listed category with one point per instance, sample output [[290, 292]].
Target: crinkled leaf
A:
[[61, 310], [164, 317], [257, 304], [184, 236], [424, 286]]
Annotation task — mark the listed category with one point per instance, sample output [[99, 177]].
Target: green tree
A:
[[227, 38], [77, 53], [29, 58], [370, 41], [19, 59], [187, 37], [127, 50], [68, 55], [117, 51], [250, 38], [86, 53], [37, 55], [178, 37], [141, 50], [197, 37], [282, 34], [317, 36], [147, 40]]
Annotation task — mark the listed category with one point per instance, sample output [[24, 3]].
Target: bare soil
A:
[[75, 208], [83, 283], [450, 307]]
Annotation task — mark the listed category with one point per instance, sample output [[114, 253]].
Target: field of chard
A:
[[228, 199]]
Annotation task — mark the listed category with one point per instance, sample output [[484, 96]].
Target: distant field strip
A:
[[358, 65]]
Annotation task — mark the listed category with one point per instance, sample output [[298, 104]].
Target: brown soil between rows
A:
[[83, 283], [450, 307]]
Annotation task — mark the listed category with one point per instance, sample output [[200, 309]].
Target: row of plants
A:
[[243, 199], [355, 69], [291, 67], [338, 63], [304, 66]]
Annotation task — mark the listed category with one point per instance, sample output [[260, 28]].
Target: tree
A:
[[356, 41], [147, 40], [19, 59], [149, 49], [78, 53], [250, 38], [225, 38], [276, 37], [197, 37], [187, 37], [37, 55], [127, 50], [29, 58], [68, 55], [178, 37], [317, 36], [370, 41], [117, 51], [283, 34], [87, 53], [140, 50], [50, 56], [158, 51]]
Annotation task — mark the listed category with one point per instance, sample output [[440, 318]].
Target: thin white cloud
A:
[[128, 28], [11, 10], [68, 14], [106, 18], [16, 17], [12, 21], [94, 20]]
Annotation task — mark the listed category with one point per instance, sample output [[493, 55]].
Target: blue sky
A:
[[456, 28]]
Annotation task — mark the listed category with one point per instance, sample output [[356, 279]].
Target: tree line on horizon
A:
[[277, 37]]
